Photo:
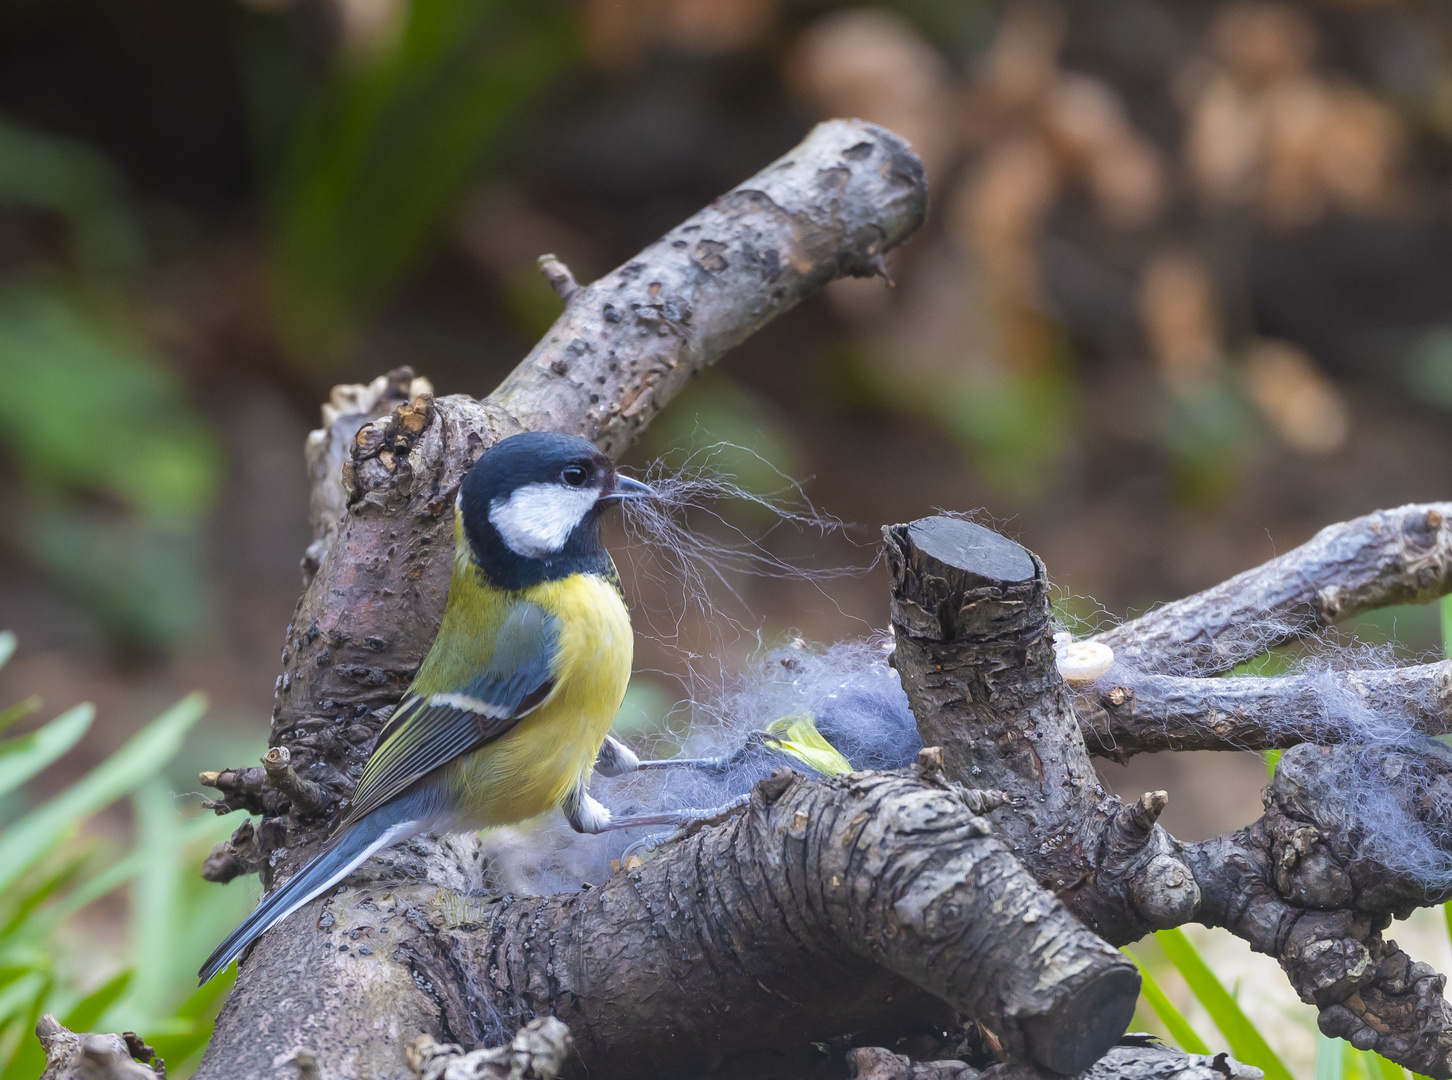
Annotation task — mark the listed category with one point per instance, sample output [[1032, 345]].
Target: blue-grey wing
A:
[[432, 726]]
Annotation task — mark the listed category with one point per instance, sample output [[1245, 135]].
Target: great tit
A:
[[510, 709]]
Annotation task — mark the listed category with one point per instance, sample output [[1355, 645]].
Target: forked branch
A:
[[1313, 882], [1401, 556]]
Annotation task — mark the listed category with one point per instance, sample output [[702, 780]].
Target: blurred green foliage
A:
[[1208, 436], [81, 187], [88, 408], [531, 303], [117, 468], [1429, 372], [385, 146], [50, 872], [1016, 425]]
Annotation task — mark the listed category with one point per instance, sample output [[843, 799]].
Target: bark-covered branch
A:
[[1401, 556], [1313, 882], [1144, 1058], [1140, 713], [623, 347], [970, 611], [628, 343], [77, 1056], [539, 1051], [878, 903]]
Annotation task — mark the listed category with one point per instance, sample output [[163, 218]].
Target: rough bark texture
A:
[[1303, 884], [1146, 713], [1138, 1057], [539, 1051], [1143, 1058], [970, 610], [877, 903], [1401, 556], [72, 1056]]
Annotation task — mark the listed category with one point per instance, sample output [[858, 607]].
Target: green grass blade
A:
[[7, 646], [53, 882], [32, 836], [201, 1009], [1447, 626], [204, 997], [22, 993], [158, 910], [1246, 1043], [23, 757], [1382, 1068], [29, 1057], [19, 711], [86, 1013], [10, 975], [1330, 1058], [1175, 1023], [119, 873]]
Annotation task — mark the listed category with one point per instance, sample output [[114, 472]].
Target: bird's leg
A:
[[700, 819], [586, 815], [616, 759]]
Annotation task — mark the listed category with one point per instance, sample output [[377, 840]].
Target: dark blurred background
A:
[[1184, 295]]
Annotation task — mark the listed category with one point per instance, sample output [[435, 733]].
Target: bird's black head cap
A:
[[531, 508]]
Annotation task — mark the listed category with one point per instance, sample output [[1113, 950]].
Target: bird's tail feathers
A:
[[388, 825]]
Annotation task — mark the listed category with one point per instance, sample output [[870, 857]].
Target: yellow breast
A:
[[529, 770]]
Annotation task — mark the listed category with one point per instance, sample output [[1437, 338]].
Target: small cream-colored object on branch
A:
[[1081, 662]]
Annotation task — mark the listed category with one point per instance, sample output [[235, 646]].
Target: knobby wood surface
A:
[[1304, 883], [880, 903]]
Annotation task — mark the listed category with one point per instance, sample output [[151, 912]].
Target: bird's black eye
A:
[[575, 475]]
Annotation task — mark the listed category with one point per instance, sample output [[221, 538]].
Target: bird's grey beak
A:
[[626, 488]]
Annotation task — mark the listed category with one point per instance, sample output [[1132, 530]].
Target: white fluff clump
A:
[[848, 689], [1402, 810], [1394, 779], [1387, 810], [1390, 785]]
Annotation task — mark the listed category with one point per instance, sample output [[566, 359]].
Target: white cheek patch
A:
[[537, 519]]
